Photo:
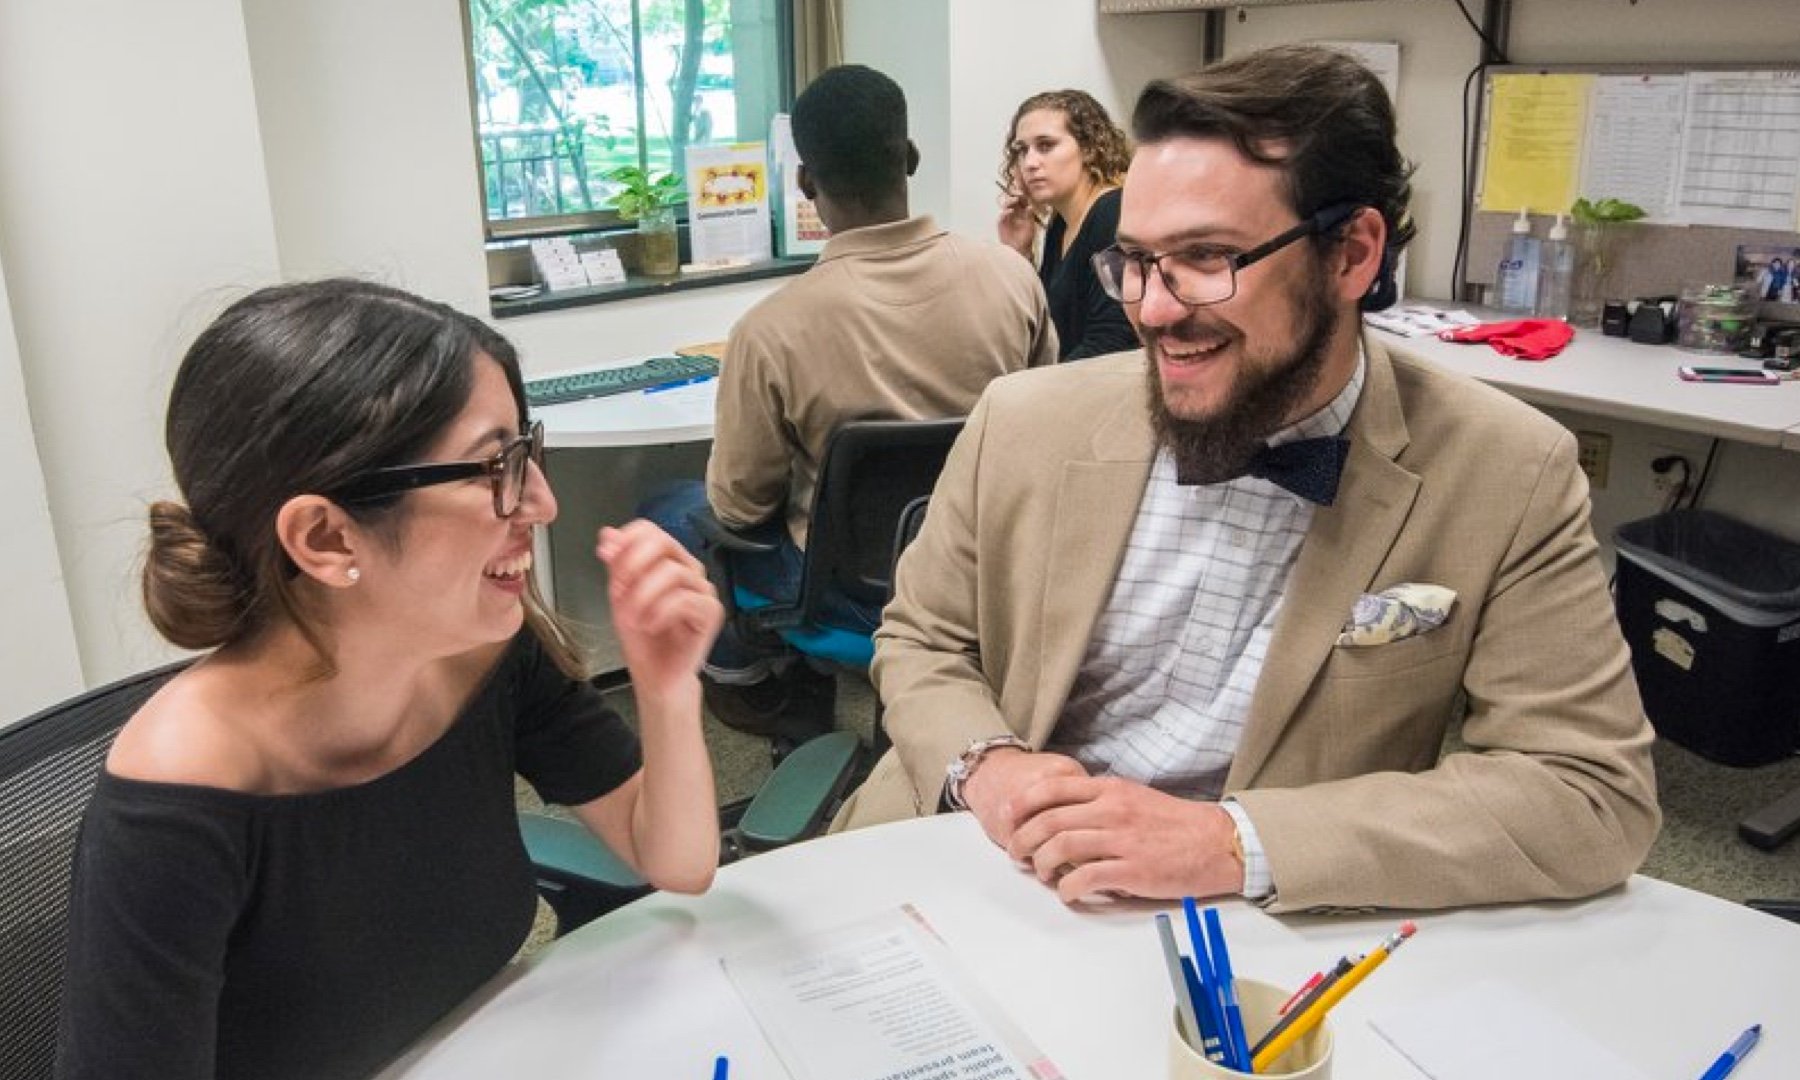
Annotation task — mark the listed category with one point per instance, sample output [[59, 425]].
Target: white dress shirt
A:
[[1165, 687]]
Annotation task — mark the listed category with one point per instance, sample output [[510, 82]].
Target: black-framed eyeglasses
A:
[[506, 472], [1202, 275]]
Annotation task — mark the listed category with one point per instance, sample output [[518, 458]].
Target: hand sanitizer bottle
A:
[[1516, 283], [1556, 273]]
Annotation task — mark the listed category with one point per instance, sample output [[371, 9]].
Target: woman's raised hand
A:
[[664, 609]]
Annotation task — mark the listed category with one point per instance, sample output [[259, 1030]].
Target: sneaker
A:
[[795, 705]]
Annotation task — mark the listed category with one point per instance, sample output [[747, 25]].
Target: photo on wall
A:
[[1771, 270]]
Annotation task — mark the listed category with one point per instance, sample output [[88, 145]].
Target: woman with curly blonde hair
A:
[[1060, 172]]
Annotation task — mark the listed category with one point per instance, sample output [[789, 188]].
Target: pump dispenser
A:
[[1516, 282], [1556, 273]]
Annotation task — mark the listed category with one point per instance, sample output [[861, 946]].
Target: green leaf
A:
[[1605, 211], [641, 192]]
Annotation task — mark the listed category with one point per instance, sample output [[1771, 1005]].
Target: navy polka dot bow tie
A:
[[1310, 468]]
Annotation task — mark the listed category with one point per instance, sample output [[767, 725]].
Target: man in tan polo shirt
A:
[[899, 320]]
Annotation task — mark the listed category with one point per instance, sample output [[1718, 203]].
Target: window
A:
[[567, 91]]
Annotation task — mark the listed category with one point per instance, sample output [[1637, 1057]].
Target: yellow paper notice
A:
[[1534, 142]]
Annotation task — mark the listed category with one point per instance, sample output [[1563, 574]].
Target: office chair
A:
[[48, 764], [912, 519], [876, 473]]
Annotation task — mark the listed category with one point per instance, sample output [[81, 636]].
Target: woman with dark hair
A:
[[1060, 172], [303, 850]]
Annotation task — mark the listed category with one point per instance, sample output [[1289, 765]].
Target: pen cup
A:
[[1308, 1059]]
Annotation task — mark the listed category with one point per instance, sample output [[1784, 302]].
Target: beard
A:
[[1268, 387]]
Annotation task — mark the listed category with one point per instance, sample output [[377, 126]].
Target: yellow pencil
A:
[[1311, 1017]]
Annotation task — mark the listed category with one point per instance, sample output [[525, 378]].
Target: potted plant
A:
[[1596, 238], [650, 201]]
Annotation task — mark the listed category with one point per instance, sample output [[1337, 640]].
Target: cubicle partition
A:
[[1710, 152]]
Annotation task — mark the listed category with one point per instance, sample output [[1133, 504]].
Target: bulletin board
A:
[[1712, 154]]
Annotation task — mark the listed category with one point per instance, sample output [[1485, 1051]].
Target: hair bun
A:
[[192, 591]]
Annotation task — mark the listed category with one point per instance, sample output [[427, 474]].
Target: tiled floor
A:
[[1699, 846]]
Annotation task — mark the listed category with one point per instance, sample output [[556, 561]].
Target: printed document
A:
[[1534, 142], [879, 999]]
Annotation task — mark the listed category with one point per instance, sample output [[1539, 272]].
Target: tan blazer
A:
[[1449, 483]]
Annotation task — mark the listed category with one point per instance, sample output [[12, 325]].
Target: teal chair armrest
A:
[[576, 874], [802, 793]]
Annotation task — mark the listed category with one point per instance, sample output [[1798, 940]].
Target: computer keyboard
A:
[[654, 372]]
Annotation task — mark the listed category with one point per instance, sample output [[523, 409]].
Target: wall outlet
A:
[[1595, 454], [1665, 484]]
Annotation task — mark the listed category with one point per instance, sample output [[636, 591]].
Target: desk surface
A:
[[679, 414], [1662, 976], [1610, 376], [1596, 374]]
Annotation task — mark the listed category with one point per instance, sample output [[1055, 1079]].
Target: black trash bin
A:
[[1711, 609]]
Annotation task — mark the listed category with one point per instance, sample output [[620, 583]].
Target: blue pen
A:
[[1211, 1046], [660, 387], [722, 1068], [1212, 1017], [1730, 1058], [1236, 1044]]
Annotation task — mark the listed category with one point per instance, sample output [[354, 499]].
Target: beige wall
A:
[[132, 203], [910, 43], [39, 663]]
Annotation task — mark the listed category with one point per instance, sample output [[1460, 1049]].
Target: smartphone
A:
[[1730, 374]]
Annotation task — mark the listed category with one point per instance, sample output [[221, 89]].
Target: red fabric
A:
[[1527, 339]]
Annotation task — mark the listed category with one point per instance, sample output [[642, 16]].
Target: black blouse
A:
[[1088, 322], [219, 935]]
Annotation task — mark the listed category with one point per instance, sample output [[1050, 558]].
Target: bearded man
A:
[[1196, 620]]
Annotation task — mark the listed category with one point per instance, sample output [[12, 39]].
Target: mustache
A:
[[1193, 325]]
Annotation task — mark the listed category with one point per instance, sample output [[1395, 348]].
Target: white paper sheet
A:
[[1634, 121], [1495, 1031], [880, 999], [1740, 160]]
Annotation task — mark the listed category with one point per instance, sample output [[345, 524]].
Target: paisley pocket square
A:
[[1396, 613]]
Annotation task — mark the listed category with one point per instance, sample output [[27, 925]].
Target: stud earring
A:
[[353, 574]]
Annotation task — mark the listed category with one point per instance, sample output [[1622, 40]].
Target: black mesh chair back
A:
[[912, 519], [874, 470], [48, 763]]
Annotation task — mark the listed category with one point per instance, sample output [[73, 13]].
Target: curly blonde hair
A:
[[1105, 149]]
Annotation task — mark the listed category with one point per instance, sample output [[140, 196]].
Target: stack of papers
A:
[[1418, 320]]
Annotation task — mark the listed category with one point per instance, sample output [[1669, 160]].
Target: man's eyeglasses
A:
[[506, 472], [1202, 275]]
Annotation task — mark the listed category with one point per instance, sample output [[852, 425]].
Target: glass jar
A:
[[1597, 253], [659, 248], [1715, 318]]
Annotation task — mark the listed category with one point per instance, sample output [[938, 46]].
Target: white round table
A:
[[1661, 976]]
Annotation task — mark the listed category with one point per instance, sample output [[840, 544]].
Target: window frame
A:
[[595, 221]]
